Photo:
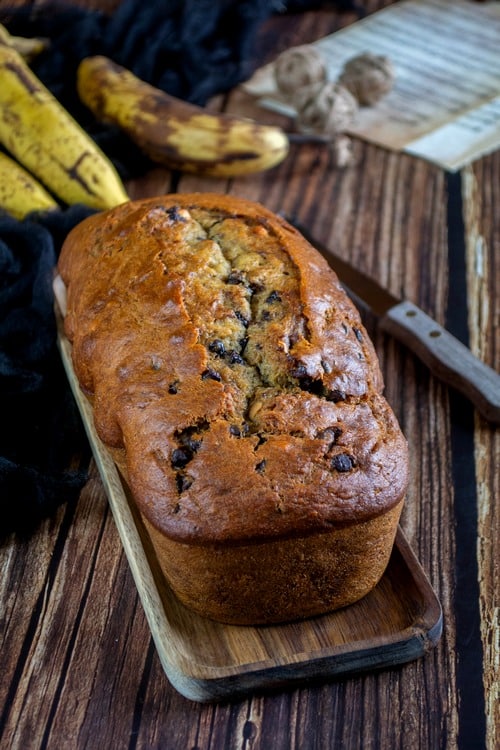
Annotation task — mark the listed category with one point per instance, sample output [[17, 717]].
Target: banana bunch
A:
[[174, 133], [20, 193], [41, 135]]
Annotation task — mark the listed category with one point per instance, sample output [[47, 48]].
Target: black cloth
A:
[[40, 428], [192, 49]]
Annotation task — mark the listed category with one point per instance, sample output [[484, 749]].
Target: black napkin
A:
[[40, 428]]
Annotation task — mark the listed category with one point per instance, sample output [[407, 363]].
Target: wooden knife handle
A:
[[446, 357]]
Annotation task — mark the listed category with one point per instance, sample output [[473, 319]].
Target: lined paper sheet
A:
[[445, 103]]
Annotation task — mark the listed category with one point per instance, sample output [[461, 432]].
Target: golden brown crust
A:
[[230, 371], [279, 580]]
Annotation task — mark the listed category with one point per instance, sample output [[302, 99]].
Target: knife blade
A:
[[445, 356]]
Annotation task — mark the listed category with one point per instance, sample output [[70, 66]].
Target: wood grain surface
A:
[[79, 667]]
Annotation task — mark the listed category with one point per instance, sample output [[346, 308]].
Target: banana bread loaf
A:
[[239, 394]]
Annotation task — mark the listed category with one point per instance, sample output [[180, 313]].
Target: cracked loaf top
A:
[[228, 371]]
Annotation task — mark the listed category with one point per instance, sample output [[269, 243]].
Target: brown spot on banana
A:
[[27, 81], [174, 133], [76, 173]]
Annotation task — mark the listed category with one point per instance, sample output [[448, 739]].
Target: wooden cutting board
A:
[[399, 621]]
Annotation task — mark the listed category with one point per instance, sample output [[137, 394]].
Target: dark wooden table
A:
[[79, 669]]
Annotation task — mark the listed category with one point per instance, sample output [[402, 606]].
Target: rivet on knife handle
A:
[[446, 357]]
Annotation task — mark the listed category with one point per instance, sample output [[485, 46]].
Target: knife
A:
[[445, 356]]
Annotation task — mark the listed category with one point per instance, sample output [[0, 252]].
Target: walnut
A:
[[330, 112], [368, 77], [304, 95], [298, 68]]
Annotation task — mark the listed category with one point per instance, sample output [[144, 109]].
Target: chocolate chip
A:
[[217, 347], [330, 433], [255, 287], [342, 462], [174, 214], [299, 371], [261, 466], [234, 430], [234, 358], [191, 444], [336, 396], [180, 457], [312, 386], [358, 334], [273, 297], [210, 374], [241, 318], [235, 277], [186, 437], [306, 382]]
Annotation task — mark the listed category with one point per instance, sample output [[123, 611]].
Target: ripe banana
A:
[[20, 193], [174, 133], [46, 140]]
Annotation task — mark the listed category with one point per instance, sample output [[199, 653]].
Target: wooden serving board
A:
[[399, 621]]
